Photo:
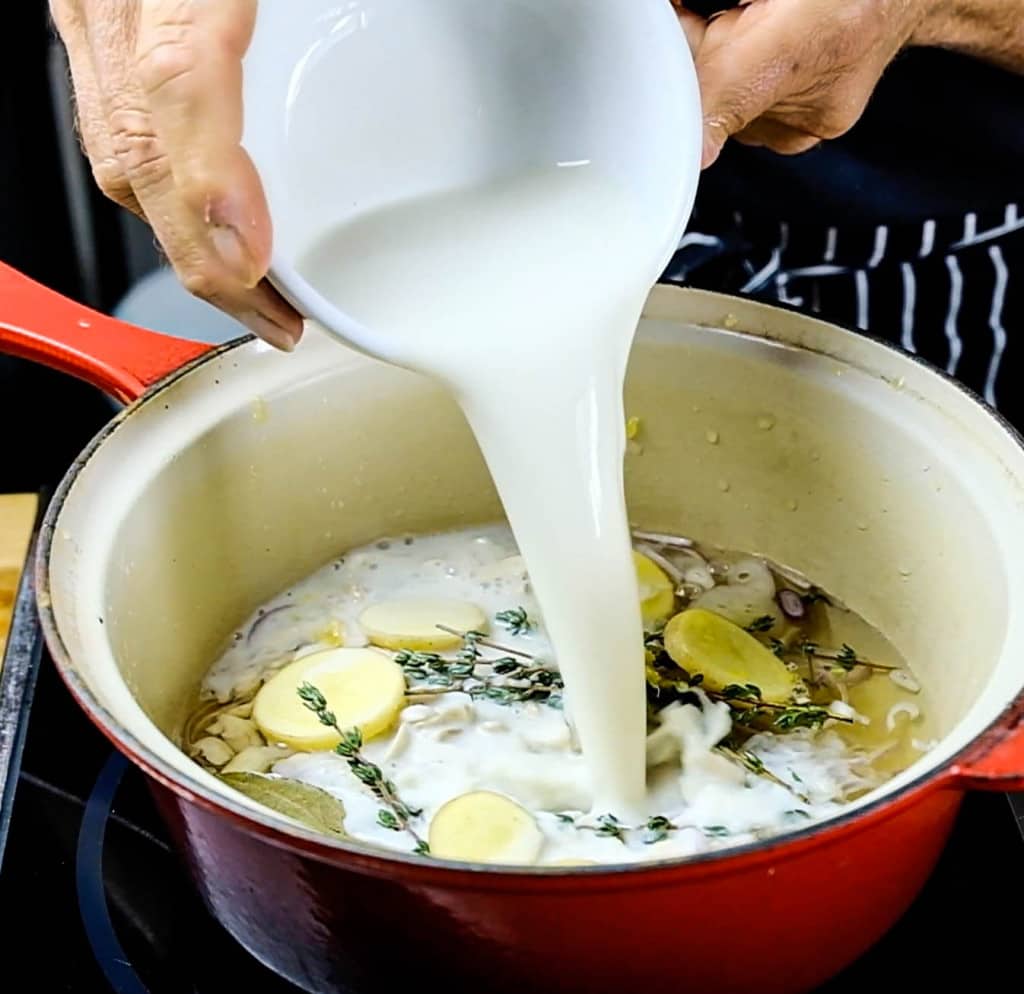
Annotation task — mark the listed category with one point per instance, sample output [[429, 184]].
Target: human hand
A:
[[158, 88], [789, 73]]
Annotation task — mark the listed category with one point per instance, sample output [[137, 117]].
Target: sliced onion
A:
[[792, 577], [671, 569], [791, 603], [660, 538]]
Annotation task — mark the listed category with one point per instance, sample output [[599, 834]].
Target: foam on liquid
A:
[[523, 299]]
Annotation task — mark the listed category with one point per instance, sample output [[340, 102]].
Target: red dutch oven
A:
[[235, 471]]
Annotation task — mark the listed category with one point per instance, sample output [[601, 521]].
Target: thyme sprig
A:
[[478, 639], [746, 702], [396, 815], [753, 763], [748, 705], [657, 828], [846, 657], [432, 668], [505, 680]]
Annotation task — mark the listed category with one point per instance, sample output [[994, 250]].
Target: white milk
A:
[[523, 299]]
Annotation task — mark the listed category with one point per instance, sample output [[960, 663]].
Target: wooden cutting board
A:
[[17, 518]]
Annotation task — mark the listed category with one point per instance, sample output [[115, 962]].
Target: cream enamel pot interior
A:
[[245, 470]]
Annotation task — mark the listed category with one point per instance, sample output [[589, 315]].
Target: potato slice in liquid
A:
[[363, 688], [484, 827], [413, 624]]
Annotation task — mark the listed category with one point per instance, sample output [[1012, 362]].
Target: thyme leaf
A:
[[716, 831], [609, 826], [515, 620], [658, 828], [764, 623]]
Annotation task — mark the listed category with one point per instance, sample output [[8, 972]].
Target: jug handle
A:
[[38, 324]]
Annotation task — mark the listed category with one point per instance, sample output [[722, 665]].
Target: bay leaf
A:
[[311, 806]]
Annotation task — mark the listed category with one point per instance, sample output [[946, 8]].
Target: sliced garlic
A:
[[906, 680], [239, 733], [911, 710], [214, 751], [416, 713], [256, 759]]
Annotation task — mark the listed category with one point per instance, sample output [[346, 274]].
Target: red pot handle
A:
[[998, 761], [39, 324]]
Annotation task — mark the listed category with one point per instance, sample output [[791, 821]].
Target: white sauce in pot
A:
[[449, 744]]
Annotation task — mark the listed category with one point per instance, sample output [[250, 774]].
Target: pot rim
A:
[[294, 837]]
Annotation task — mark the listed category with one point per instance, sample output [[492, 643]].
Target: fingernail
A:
[[270, 331], [233, 253], [710, 151]]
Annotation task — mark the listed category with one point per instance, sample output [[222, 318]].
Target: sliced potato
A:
[[483, 827], [363, 688], [412, 624], [703, 642], [657, 595]]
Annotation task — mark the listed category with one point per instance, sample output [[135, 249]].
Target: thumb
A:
[[693, 26], [741, 69]]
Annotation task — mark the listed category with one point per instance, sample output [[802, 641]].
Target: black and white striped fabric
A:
[[948, 289]]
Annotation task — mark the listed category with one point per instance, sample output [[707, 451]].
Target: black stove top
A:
[[92, 898]]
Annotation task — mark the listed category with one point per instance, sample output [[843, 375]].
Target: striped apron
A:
[[950, 289]]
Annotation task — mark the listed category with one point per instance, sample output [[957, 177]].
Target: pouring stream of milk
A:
[[523, 299]]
